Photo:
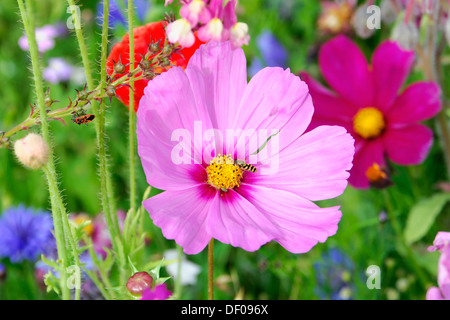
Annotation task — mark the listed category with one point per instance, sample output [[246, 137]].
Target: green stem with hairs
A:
[[132, 114], [58, 208], [106, 188]]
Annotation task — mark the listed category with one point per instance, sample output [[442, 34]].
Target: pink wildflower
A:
[[441, 243], [366, 101], [210, 196], [159, 292]]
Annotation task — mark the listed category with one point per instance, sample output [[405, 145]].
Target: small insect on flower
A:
[[245, 166], [83, 119]]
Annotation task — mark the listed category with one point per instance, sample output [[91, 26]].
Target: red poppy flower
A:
[[143, 36]]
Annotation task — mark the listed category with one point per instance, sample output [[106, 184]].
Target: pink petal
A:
[[234, 220], [326, 103], [315, 166], [368, 153], [302, 224], [163, 111], [408, 145], [182, 216], [391, 66], [276, 99], [441, 241], [420, 101], [345, 69], [222, 78], [434, 294]]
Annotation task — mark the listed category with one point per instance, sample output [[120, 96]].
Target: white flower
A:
[[181, 31], [239, 35], [189, 270]]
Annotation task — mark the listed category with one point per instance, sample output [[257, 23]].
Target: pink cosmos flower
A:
[[211, 196], [366, 101], [441, 243]]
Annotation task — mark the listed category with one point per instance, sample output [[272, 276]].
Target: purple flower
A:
[[45, 37], [159, 292], [333, 275], [25, 234], [117, 14], [272, 52], [57, 71]]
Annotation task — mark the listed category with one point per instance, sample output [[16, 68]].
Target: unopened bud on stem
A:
[[139, 282], [32, 151]]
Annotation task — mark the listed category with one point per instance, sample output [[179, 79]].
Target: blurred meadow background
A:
[[335, 269]]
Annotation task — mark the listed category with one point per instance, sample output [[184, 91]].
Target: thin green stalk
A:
[[132, 114], [49, 169], [178, 287], [104, 173]]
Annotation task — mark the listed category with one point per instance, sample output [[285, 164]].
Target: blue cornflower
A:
[[272, 52], [334, 274], [117, 13], [25, 234]]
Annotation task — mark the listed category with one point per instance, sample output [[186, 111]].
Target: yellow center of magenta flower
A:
[[223, 173], [369, 123]]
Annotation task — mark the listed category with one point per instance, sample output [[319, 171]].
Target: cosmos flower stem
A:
[[132, 114], [49, 169], [409, 255], [211, 269]]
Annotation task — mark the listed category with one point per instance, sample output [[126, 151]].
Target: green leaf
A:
[[423, 215]]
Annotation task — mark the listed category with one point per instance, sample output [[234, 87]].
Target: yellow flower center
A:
[[369, 123], [223, 173]]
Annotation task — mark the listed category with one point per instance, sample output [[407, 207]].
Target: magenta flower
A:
[[441, 243], [366, 101], [212, 196], [159, 292]]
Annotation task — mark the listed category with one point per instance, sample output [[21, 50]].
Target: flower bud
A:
[[145, 64], [119, 67], [32, 151], [139, 282]]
